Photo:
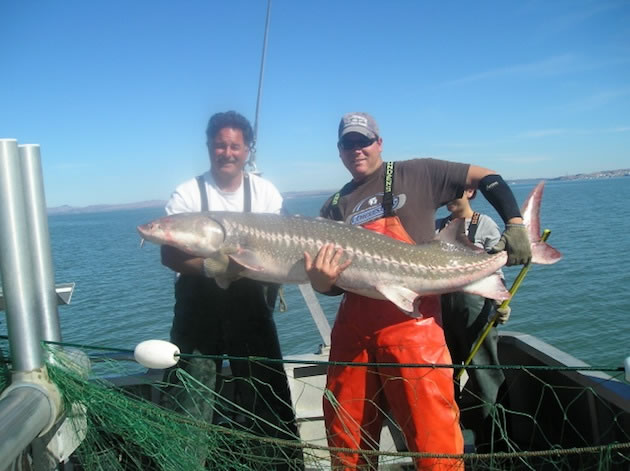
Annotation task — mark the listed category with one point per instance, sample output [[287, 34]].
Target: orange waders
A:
[[421, 400]]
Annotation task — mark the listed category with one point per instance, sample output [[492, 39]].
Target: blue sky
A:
[[118, 93]]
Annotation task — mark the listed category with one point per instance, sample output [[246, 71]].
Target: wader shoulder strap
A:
[[333, 211], [472, 229], [247, 196], [202, 191], [388, 197]]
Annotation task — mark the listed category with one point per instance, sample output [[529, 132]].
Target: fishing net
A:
[[141, 423]]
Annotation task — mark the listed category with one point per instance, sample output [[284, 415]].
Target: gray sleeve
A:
[[488, 233], [448, 179]]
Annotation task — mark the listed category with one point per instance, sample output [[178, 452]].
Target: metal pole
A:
[[252, 154], [316, 312], [24, 412], [30, 405], [44, 277], [15, 265]]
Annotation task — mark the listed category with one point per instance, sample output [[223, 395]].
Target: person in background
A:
[[237, 321], [464, 318], [399, 200]]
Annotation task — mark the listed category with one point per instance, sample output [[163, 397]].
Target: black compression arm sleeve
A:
[[499, 195]]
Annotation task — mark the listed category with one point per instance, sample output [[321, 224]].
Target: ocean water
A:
[[581, 305]]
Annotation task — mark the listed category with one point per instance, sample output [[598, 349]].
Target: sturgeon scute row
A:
[[266, 228], [270, 247]]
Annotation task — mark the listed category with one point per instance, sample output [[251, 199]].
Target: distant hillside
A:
[[624, 172], [102, 208], [99, 208], [302, 194]]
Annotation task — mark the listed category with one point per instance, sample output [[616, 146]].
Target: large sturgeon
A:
[[270, 247]]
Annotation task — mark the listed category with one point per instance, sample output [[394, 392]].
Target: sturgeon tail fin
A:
[[542, 252]]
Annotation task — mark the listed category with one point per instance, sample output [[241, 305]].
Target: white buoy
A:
[[626, 365], [156, 354]]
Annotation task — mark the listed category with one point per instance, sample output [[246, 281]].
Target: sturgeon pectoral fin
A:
[[489, 287], [216, 265], [402, 297], [219, 267], [224, 282], [247, 259]]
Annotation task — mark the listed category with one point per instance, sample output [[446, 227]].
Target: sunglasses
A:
[[352, 144]]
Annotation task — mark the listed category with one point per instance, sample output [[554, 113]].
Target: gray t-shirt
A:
[[420, 186]]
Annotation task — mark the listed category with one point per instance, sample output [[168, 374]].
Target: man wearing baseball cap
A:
[[399, 200]]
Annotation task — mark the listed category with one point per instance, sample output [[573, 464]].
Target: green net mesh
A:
[[139, 423]]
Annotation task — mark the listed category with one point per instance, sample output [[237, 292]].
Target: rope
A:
[[347, 363]]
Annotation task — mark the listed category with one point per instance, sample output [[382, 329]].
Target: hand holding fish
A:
[[325, 269], [515, 242]]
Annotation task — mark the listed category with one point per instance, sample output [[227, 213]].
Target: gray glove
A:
[[516, 242], [503, 313]]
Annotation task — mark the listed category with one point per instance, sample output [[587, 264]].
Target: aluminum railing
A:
[[30, 405]]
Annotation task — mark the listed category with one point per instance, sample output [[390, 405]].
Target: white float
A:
[[157, 354], [626, 365]]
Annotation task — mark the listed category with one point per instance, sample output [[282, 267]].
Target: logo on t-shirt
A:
[[371, 209]]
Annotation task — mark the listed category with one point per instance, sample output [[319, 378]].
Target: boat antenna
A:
[[252, 153]]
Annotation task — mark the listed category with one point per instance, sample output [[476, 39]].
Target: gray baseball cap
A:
[[359, 122]]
